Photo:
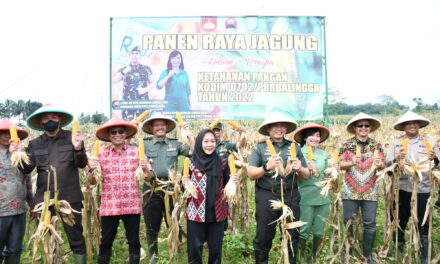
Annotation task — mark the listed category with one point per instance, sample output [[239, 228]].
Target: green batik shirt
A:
[[163, 155], [223, 148], [260, 156], [310, 193]]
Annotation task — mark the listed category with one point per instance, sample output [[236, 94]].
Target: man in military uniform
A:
[[412, 147], [136, 77], [224, 147], [163, 153], [261, 169], [65, 151]]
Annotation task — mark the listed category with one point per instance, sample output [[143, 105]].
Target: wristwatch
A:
[[265, 167]]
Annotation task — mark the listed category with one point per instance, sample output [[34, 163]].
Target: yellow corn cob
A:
[[212, 125], [234, 125], [270, 147], [74, 126], [404, 144], [309, 153], [358, 151], [141, 150], [293, 150], [231, 162], [186, 167], [179, 119], [47, 218], [141, 117], [428, 145], [96, 149], [335, 155], [13, 133], [376, 154]]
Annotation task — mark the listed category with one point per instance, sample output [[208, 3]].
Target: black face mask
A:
[[51, 125]]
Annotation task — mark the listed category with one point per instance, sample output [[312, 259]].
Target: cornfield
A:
[[50, 244]]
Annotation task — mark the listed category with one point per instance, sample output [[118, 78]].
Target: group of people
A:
[[361, 157], [136, 77]]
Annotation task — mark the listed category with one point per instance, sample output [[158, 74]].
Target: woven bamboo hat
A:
[[375, 123], [147, 127], [410, 116], [277, 117]]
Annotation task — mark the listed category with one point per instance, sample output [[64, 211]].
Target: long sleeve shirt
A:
[[15, 187], [59, 152], [416, 150]]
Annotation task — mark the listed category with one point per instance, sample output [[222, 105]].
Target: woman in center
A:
[[207, 215]]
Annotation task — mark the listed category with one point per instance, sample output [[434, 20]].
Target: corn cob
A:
[[74, 126], [141, 117], [293, 150], [13, 133], [404, 145], [96, 149], [215, 122], [270, 147], [358, 152], [179, 119], [231, 161], [234, 125], [141, 150], [186, 167], [309, 153]]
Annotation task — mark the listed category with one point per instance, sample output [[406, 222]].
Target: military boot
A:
[[368, 241], [80, 259], [261, 257], [13, 259], [424, 249], [134, 258], [317, 241]]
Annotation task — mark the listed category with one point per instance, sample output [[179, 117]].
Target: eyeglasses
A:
[[118, 131], [363, 125]]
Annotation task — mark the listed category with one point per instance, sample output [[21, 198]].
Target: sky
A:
[[58, 51]]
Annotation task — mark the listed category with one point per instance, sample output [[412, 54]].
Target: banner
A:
[[236, 68]]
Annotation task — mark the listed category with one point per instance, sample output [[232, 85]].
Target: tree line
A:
[[21, 109]]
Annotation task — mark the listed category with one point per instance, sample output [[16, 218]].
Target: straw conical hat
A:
[[147, 126], [277, 117], [375, 123], [410, 116]]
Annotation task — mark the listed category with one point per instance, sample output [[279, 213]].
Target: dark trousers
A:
[[109, 228], [405, 212], [265, 215], [154, 212], [12, 229], [198, 234], [368, 209], [74, 233]]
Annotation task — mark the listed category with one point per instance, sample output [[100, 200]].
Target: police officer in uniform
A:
[[261, 169], [163, 153]]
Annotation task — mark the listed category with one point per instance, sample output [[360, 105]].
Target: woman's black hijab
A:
[[209, 164]]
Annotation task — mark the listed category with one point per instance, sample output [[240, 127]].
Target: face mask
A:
[[51, 125]]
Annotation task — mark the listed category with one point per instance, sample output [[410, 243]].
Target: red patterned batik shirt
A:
[[120, 190]]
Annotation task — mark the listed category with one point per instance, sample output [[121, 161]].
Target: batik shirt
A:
[[360, 179], [120, 190], [15, 187]]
